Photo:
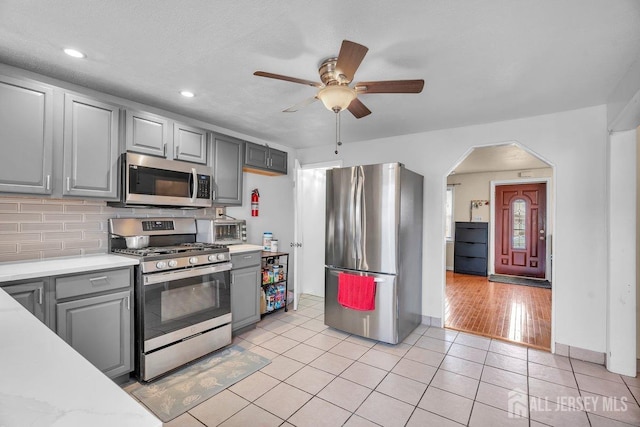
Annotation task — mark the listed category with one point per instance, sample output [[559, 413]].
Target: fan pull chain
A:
[[338, 142]]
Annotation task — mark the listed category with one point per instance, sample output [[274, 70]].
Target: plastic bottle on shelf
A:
[[267, 236]]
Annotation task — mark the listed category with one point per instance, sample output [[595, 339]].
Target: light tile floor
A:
[[320, 376]]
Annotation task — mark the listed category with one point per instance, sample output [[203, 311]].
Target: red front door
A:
[[520, 245]]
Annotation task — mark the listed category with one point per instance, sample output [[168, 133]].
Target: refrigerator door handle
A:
[[353, 193], [358, 219]]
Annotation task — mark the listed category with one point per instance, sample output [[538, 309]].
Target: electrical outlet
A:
[[220, 212]]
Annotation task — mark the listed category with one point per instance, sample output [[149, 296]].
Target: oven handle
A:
[[151, 279]]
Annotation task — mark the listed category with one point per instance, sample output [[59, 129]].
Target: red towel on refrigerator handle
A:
[[356, 292]]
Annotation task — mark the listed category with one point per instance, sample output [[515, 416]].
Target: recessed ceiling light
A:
[[187, 94], [74, 53]]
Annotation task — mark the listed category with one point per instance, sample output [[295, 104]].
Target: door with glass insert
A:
[[520, 243]]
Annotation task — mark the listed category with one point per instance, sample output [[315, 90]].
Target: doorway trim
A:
[[551, 214], [298, 218]]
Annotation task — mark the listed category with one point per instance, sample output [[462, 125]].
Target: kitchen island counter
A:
[[45, 382]]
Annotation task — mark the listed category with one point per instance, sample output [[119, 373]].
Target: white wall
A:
[[621, 298], [575, 142]]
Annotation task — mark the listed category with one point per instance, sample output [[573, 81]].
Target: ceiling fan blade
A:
[[358, 109], [300, 105], [390, 86], [349, 59], [287, 78]]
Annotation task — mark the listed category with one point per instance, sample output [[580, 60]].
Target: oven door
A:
[[177, 305]]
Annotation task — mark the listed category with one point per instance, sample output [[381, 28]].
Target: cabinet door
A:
[[26, 136], [278, 161], [99, 328], [256, 155], [90, 148], [190, 143], [30, 296], [227, 170], [147, 134], [245, 296]]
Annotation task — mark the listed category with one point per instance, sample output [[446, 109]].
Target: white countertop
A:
[[56, 266], [236, 249], [47, 383]]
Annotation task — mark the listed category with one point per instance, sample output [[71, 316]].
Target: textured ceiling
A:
[[482, 60]]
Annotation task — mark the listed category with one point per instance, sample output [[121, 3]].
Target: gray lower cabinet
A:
[[99, 328], [30, 295], [26, 136], [245, 289], [227, 170], [94, 314], [263, 159], [90, 148]]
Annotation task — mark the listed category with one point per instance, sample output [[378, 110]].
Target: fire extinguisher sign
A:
[[255, 199]]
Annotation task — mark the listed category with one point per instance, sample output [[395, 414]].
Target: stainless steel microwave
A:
[[152, 181]]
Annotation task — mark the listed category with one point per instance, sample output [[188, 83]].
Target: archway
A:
[[520, 313]]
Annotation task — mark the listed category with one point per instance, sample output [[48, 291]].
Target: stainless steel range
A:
[[182, 292]]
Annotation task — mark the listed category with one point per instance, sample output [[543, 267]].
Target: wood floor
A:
[[514, 313]]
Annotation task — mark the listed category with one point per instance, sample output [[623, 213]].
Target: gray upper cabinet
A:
[[227, 170], [147, 133], [263, 159], [90, 148], [190, 143], [26, 136]]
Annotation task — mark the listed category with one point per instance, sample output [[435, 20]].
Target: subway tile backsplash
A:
[[34, 228]]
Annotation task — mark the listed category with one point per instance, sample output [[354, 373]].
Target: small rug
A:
[[517, 280], [176, 393]]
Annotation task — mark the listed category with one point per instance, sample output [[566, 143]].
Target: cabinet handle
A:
[[247, 256], [40, 296], [128, 303], [95, 279], [48, 182], [164, 149], [68, 183], [177, 151]]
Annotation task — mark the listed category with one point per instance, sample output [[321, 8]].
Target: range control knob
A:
[[193, 260], [173, 263], [221, 257], [211, 258], [161, 265]]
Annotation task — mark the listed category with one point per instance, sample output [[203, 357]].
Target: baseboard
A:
[[580, 353], [432, 321]]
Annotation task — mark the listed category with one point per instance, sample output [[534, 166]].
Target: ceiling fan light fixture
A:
[[336, 97]]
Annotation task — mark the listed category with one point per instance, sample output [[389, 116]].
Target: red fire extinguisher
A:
[[255, 198]]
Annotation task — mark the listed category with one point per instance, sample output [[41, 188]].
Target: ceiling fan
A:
[[336, 74]]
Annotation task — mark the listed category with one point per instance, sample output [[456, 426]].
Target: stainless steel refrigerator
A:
[[374, 228]]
